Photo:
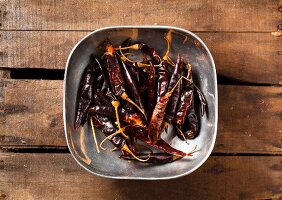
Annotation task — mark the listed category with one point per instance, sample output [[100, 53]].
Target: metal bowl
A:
[[107, 163]]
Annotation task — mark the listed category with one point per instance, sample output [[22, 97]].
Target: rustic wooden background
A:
[[245, 40]]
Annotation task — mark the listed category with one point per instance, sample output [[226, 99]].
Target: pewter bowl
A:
[[107, 163]]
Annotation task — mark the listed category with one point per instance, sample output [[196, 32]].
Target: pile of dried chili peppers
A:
[[134, 101]]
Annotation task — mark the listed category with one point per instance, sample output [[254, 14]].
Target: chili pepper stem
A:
[[175, 157], [169, 93], [126, 149], [137, 64], [114, 149], [123, 57], [182, 134], [193, 151], [164, 127], [109, 136], [170, 61], [166, 57], [94, 134], [116, 105], [125, 97], [134, 47]]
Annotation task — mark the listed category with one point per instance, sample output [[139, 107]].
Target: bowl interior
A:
[[107, 163]]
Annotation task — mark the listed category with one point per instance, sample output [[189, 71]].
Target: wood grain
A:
[[235, 15], [248, 57], [57, 176], [249, 116], [31, 113]]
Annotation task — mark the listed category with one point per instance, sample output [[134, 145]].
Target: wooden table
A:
[[35, 40]]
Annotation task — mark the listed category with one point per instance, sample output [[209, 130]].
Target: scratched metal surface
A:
[[107, 163]]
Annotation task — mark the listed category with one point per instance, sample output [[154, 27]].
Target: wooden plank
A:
[[250, 119], [31, 113], [235, 15], [57, 176], [249, 116], [250, 57]]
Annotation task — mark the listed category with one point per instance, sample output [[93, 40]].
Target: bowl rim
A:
[[215, 101]]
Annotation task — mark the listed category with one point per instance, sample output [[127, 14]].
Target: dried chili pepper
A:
[[114, 101], [172, 104], [103, 99], [159, 113], [132, 86], [162, 74], [109, 129], [150, 97], [137, 73], [115, 75], [141, 134], [187, 95], [162, 82], [145, 49], [85, 91], [190, 128], [131, 118]]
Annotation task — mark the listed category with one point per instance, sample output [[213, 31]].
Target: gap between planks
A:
[[235, 15], [247, 57], [249, 116]]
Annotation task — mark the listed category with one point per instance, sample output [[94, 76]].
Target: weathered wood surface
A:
[[249, 57], [31, 112], [249, 116], [57, 176], [235, 15]]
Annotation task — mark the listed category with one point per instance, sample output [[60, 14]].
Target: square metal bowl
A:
[[107, 163]]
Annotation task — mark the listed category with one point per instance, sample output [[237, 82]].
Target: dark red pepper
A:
[[186, 98], [141, 134], [162, 82], [125, 116], [85, 92], [172, 104], [131, 85]]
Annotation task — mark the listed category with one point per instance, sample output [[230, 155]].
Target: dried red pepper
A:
[[85, 92]]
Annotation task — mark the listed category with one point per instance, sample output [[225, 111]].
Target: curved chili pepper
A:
[[125, 145], [103, 99], [141, 134], [172, 104], [150, 51], [145, 49], [187, 95], [131, 118], [109, 128], [162, 83], [150, 97], [155, 158], [132, 86], [159, 113], [133, 70], [115, 75], [85, 91], [114, 72], [190, 128], [162, 72], [183, 106]]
